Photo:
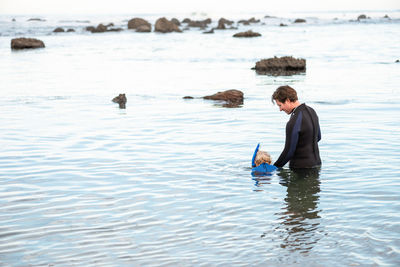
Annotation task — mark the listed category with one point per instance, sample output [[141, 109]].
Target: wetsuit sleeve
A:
[[292, 137]]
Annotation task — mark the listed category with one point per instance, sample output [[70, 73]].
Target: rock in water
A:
[[281, 66], [26, 43], [120, 99], [233, 97]]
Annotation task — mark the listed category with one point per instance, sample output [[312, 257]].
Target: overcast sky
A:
[[169, 6]]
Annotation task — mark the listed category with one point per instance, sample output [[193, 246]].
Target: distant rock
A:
[[249, 21], [397, 61], [248, 33], [13, 20], [386, 17], [164, 25], [222, 22], [121, 100], [70, 30], [59, 29], [143, 28], [199, 23], [232, 98], [36, 19], [362, 16], [175, 21], [139, 24], [26, 43], [283, 25], [300, 21], [102, 28], [280, 66], [210, 31], [188, 97]]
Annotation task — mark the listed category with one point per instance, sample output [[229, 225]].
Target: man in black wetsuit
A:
[[302, 131]]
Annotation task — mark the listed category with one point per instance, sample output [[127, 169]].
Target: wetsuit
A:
[[302, 136]]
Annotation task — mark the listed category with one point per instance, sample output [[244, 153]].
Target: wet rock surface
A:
[[280, 66], [121, 100], [247, 34], [26, 43]]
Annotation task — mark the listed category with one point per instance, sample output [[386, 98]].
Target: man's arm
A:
[[292, 137]]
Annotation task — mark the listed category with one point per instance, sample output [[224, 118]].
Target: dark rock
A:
[[280, 66], [70, 30], [26, 43], [188, 97], [226, 21], [221, 25], [386, 17], [90, 28], [397, 61], [115, 30], [135, 23], [143, 28], [232, 98], [121, 100], [210, 31], [186, 20], [175, 21], [283, 25], [249, 21], [362, 16], [13, 20], [59, 29], [36, 19], [102, 28], [249, 33], [300, 21], [164, 25], [199, 23]]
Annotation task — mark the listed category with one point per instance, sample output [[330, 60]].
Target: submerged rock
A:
[[102, 28], [280, 66], [121, 100], [59, 29], [249, 33], [232, 98], [248, 21], [26, 43], [164, 25], [139, 24], [300, 21]]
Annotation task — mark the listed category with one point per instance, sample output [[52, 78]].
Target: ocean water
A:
[[166, 181]]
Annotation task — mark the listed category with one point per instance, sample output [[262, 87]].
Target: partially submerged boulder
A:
[[102, 28], [222, 22], [164, 25], [59, 29], [300, 21], [249, 21], [121, 100], [26, 43], [248, 33], [281, 66], [232, 98], [139, 24]]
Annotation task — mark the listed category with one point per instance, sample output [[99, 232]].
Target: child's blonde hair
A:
[[262, 157]]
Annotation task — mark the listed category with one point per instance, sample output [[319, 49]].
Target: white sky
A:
[[170, 6]]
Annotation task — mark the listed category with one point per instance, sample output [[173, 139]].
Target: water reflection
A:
[[298, 226]]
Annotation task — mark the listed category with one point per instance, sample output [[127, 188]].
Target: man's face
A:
[[285, 106]]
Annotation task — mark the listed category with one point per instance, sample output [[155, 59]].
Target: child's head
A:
[[262, 157]]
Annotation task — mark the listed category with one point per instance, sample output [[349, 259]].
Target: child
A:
[[261, 162]]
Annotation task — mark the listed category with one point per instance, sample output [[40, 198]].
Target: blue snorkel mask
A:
[[262, 169]]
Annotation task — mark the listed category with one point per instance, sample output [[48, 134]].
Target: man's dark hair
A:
[[284, 92]]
